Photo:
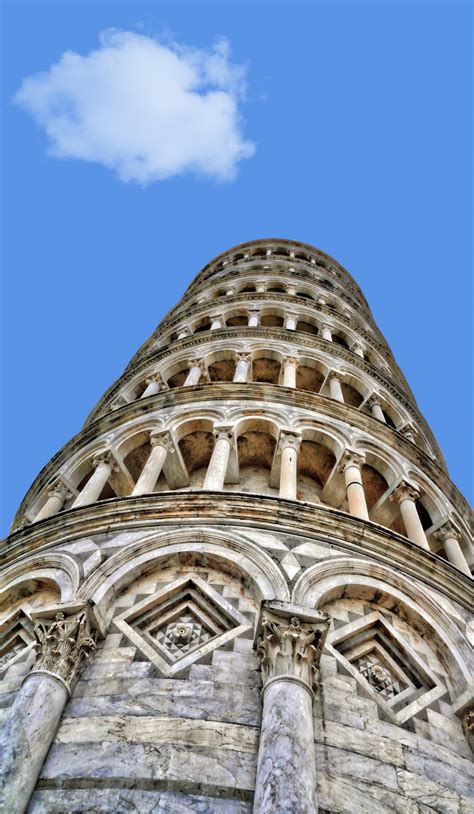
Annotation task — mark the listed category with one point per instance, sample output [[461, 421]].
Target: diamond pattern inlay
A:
[[181, 623]]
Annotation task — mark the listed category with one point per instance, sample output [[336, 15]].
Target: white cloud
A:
[[147, 110]]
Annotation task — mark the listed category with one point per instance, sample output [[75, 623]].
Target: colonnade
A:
[[285, 463]]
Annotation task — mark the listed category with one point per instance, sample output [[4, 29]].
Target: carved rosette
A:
[[63, 645], [289, 647]]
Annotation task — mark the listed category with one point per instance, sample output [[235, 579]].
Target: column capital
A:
[[336, 374], [64, 641], [288, 642], [291, 360], [105, 458], [409, 432], [242, 356], [162, 439], [197, 363], [155, 377], [448, 531], [58, 489], [289, 438], [326, 326], [224, 431], [375, 398], [351, 457], [405, 491], [357, 346]]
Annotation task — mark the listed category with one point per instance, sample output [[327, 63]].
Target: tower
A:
[[244, 584]]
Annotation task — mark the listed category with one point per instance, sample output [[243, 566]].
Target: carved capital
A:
[[288, 645], [375, 398], [63, 645], [59, 490], [405, 491], [224, 431], [156, 377], [409, 432], [448, 531], [288, 438], [337, 374], [326, 326], [162, 439], [357, 347], [105, 459], [351, 458], [243, 357], [290, 361], [197, 363]]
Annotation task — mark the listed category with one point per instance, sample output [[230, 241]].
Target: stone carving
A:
[[289, 647], [63, 645]]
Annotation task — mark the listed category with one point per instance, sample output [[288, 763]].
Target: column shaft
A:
[[335, 389], [93, 488], [241, 371], [289, 373], [253, 319], [53, 504], [151, 389], [455, 556], [193, 376], [326, 333], [286, 770], [26, 736], [217, 469], [355, 492], [151, 471], [412, 523]]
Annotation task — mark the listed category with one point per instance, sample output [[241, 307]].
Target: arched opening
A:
[[351, 395], [256, 449], [248, 289], [203, 326], [306, 327], [266, 370], [339, 340], [309, 378], [276, 289], [315, 464], [388, 419], [374, 485], [178, 379], [271, 321], [233, 322], [304, 296], [222, 370], [196, 449]]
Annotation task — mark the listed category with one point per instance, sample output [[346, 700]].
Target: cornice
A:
[[247, 393], [330, 526]]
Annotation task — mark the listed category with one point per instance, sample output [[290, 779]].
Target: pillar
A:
[[406, 494], [358, 349], [291, 290], [230, 292], [63, 645], [450, 536], [196, 368], [241, 373], [217, 322], [408, 432], [54, 503], [254, 318], [217, 469], [351, 467], [291, 321], [288, 645], [288, 447], [326, 332], [376, 408], [290, 366], [161, 445], [103, 464], [260, 286], [153, 386], [184, 331], [335, 389]]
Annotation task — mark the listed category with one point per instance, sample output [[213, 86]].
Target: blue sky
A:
[[358, 112]]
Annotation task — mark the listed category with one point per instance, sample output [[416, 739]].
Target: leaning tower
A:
[[244, 585]]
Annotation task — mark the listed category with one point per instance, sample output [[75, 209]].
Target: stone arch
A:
[[196, 441], [310, 374], [240, 553], [256, 443], [266, 366], [57, 575], [330, 580]]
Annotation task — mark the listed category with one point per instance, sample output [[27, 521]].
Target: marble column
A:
[[406, 494], [54, 503], [358, 349], [184, 331], [288, 446], [104, 465], [196, 368], [290, 322], [153, 386], [63, 644], [351, 467], [260, 286], [254, 318], [217, 469], [375, 405], [326, 332], [291, 290], [408, 432], [450, 536], [290, 366], [230, 292], [335, 389], [241, 373], [161, 445], [288, 643]]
